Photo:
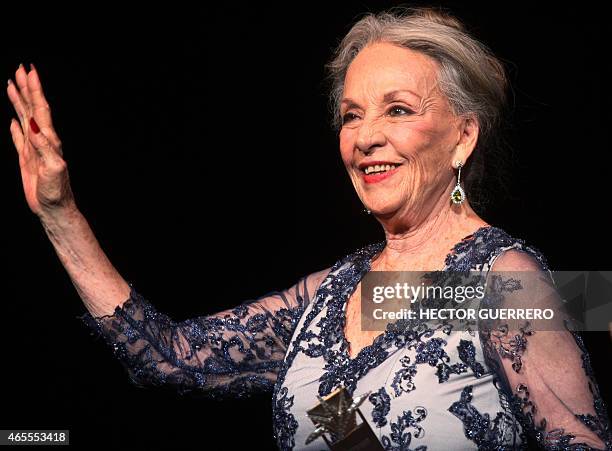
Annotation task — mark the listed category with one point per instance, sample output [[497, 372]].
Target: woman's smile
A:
[[378, 173]]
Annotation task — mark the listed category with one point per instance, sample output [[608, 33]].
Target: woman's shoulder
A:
[[313, 281], [491, 244], [358, 257]]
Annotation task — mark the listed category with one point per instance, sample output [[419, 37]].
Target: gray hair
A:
[[472, 79]]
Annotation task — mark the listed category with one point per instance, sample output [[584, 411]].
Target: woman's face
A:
[[395, 116]]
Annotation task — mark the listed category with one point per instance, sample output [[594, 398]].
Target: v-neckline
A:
[[365, 267]]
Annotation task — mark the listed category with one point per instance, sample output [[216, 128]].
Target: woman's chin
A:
[[386, 209]]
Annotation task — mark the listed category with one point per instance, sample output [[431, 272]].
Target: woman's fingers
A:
[[40, 107], [36, 132], [17, 136], [29, 101], [21, 77], [45, 148], [24, 149], [17, 101], [21, 80]]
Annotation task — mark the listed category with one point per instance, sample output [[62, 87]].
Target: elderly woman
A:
[[417, 100]]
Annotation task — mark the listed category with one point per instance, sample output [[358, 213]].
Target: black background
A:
[[199, 151]]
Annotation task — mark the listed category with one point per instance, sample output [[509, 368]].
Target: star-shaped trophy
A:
[[336, 416]]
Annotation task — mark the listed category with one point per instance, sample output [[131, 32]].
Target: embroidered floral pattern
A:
[[381, 401], [399, 439], [467, 354], [511, 347], [486, 433], [284, 421], [403, 379], [224, 355], [432, 353]]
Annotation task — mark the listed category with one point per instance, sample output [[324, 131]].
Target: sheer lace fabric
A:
[[231, 353]]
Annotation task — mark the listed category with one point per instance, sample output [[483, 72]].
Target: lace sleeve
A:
[[228, 354], [543, 366]]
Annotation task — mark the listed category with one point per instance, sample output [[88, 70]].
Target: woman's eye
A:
[[399, 108], [348, 117], [396, 110]]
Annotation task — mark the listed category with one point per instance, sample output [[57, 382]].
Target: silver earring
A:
[[366, 211], [458, 195]]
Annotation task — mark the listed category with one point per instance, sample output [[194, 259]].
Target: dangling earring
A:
[[458, 195], [366, 211]]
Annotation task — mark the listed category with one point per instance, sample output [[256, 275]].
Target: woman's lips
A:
[[375, 178]]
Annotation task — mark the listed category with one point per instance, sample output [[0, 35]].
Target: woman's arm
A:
[[232, 353], [46, 185], [542, 366], [100, 286]]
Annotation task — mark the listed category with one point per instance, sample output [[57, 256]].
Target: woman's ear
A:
[[468, 137]]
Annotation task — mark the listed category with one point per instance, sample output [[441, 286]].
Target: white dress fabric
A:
[[430, 388]]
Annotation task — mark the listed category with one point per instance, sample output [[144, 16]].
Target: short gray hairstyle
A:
[[473, 80]]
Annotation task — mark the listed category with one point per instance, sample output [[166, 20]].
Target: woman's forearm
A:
[[96, 280]]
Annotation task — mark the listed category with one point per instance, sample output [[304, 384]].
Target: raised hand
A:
[[44, 171]]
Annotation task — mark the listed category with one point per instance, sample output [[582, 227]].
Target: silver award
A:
[[336, 416]]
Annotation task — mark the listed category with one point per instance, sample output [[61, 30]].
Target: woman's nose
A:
[[369, 137]]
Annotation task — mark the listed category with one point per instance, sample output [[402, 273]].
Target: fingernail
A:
[[9, 82], [34, 125], [32, 66], [21, 66]]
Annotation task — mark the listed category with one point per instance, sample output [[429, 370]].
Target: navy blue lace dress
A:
[[431, 389]]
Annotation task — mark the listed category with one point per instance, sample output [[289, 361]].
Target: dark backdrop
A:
[[199, 151]]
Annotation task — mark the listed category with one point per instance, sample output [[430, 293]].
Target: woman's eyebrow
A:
[[388, 97], [392, 95]]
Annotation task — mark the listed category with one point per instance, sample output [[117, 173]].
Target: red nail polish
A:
[[34, 125]]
